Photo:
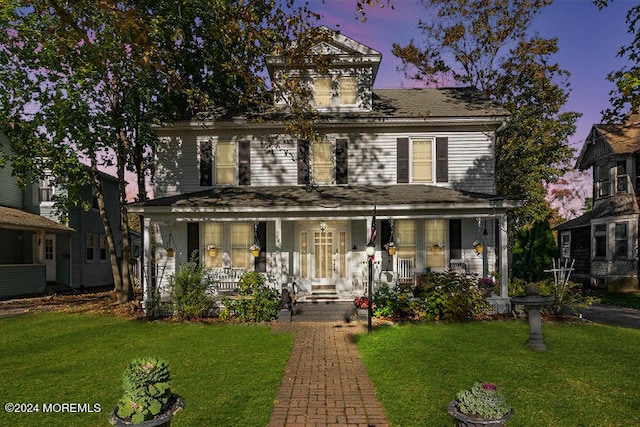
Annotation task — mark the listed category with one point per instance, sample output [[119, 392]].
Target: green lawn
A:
[[588, 376], [228, 374]]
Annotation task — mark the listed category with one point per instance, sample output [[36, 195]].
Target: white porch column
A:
[[147, 290], [504, 256], [278, 252]]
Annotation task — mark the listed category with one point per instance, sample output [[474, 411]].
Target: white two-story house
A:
[[424, 158]]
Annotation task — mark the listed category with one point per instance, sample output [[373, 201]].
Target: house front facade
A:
[[418, 162], [604, 241]]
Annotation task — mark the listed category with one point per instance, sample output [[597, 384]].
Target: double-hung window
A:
[[621, 242], [323, 162], [422, 160], [622, 177], [322, 92], [600, 240], [603, 181], [224, 162], [435, 242], [241, 240]]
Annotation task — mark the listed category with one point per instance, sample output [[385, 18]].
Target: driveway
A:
[[612, 315]]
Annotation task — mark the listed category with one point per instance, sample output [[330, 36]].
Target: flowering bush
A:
[[361, 302], [486, 282], [483, 400]]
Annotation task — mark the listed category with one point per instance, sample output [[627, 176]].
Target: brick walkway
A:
[[325, 382]]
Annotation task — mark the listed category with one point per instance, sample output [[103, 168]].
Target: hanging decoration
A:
[[171, 246], [390, 247], [255, 248]]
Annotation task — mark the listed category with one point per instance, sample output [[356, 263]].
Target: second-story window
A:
[[43, 191], [622, 177], [603, 183], [348, 90], [224, 162], [322, 162], [422, 160]]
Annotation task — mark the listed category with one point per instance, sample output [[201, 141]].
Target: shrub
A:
[[451, 295], [397, 302], [262, 303], [189, 297], [147, 390]]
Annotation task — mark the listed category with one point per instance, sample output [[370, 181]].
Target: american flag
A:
[[372, 239]]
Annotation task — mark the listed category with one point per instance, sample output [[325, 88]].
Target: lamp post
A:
[[370, 251]]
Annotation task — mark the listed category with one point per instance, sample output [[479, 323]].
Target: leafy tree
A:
[[625, 98], [484, 43], [85, 82]]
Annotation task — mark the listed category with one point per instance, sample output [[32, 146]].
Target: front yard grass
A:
[[228, 374], [631, 300], [588, 376]]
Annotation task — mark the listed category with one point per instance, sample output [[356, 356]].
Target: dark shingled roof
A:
[[581, 221], [21, 220], [320, 197], [623, 139], [435, 102]]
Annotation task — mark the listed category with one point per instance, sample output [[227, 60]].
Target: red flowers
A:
[[361, 302]]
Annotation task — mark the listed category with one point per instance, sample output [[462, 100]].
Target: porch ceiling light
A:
[[323, 226]]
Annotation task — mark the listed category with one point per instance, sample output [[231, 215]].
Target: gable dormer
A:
[[337, 75]]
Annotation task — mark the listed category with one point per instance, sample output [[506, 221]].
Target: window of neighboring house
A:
[[421, 160], [621, 245], [435, 242], [89, 242], [622, 177], [213, 238], [322, 92], [48, 249], [348, 90], [603, 183], [600, 240], [42, 191], [323, 162], [565, 244], [103, 247], [241, 240]]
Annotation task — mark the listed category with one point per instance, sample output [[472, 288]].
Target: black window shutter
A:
[[442, 159], [385, 236], [261, 261], [206, 163], [244, 162], [342, 161], [303, 162], [193, 240], [455, 238], [402, 157]]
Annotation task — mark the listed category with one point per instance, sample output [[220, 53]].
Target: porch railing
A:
[[405, 270], [224, 279]]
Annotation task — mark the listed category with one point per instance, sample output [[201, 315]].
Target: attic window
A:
[[322, 93], [348, 92]]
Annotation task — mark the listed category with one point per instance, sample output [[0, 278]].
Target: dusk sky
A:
[[589, 40]]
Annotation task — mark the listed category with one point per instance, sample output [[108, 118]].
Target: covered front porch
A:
[[312, 241]]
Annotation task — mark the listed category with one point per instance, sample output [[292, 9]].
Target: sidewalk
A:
[[325, 382]]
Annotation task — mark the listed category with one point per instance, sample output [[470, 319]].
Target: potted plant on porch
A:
[[481, 405], [147, 400]]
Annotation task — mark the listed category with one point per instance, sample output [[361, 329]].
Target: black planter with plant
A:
[[147, 400], [481, 405]]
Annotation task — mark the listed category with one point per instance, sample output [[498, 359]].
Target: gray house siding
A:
[[22, 279], [10, 193]]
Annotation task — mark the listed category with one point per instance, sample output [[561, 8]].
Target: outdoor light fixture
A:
[[323, 226], [370, 251]]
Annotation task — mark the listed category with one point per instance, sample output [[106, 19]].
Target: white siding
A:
[[274, 163]]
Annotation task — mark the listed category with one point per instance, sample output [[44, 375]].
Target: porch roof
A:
[[20, 220], [327, 200]]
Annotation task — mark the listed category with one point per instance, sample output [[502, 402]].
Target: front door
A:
[[50, 256], [323, 256]]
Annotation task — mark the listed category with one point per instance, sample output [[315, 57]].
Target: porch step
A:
[[323, 289]]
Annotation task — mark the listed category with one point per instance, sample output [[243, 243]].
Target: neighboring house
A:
[[604, 242], [424, 158], [36, 248]]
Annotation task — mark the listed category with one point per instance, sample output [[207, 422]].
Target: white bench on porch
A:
[[223, 279]]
